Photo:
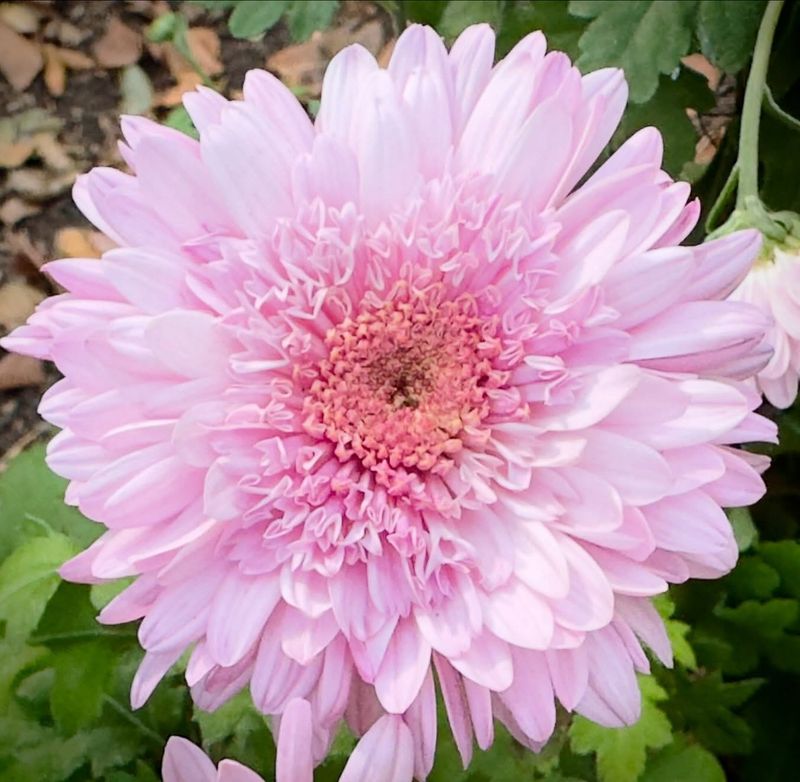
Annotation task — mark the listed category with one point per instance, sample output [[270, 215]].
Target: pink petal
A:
[[294, 763], [185, 762], [384, 754]]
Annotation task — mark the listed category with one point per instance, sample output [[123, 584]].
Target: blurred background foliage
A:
[[727, 710]]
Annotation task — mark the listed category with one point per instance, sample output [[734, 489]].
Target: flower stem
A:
[[753, 100]]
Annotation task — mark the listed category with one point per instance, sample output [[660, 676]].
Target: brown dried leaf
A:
[[75, 60], [15, 209], [28, 256], [66, 33], [20, 59], [15, 153], [699, 63], [168, 53], [19, 371], [78, 243], [55, 72], [39, 185], [300, 66], [17, 302], [52, 153], [369, 34], [119, 46], [187, 80], [303, 65], [385, 54], [20, 18], [204, 45]]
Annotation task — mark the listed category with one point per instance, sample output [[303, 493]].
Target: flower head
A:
[[386, 394], [773, 285]]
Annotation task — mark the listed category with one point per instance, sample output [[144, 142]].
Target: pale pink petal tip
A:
[[185, 762]]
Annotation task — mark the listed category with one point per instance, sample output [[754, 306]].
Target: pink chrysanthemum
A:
[[384, 394], [773, 284]]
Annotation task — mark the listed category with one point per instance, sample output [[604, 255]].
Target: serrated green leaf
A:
[[28, 579], [682, 651], [752, 578], [223, 723], [70, 617], [622, 752], [110, 748], [524, 16], [51, 758], [679, 761], [768, 620], [667, 111], [677, 632], [460, 14], [727, 31], [253, 17], [784, 557], [305, 17], [784, 654], [645, 38], [82, 672], [32, 501], [704, 705]]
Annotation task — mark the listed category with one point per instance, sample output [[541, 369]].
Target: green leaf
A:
[[676, 632], [54, 760], [622, 752], [227, 720], [520, 18], [643, 37], [82, 672], [305, 17], [751, 578], [704, 706], [32, 501], [253, 17], [215, 5], [460, 14], [784, 557], [28, 579], [70, 616], [423, 11], [111, 748], [136, 89], [667, 111], [102, 594], [678, 761], [179, 119], [767, 620], [727, 31], [164, 27], [744, 530]]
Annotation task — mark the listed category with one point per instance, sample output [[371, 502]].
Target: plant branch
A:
[[753, 100]]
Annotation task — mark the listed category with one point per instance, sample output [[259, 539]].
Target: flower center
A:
[[405, 382]]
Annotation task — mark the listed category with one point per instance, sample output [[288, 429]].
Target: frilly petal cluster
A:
[[773, 285], [410, 389]]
